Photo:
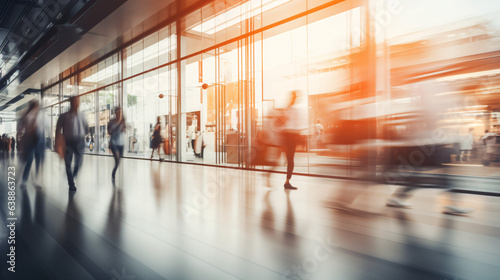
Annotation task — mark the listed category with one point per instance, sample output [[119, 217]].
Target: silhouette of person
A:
[[30, 133], [157, 140], [73, 126], [290, 131], [116, 129]]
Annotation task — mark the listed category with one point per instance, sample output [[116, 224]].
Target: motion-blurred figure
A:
[[157, 140], [466, 143], [116, 129], [30, 133], [290, 131], [318, 132], [199, 144], [426, 149], [12, 146], [191, 133], [73, 127], [5, 146]]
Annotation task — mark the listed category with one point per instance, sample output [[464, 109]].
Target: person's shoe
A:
[[455, 210], [394, 202], [288, 186], [72, 188]]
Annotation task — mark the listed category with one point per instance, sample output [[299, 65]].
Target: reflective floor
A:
[[183, 221]]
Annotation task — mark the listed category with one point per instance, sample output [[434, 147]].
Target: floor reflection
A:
[[239, 229]]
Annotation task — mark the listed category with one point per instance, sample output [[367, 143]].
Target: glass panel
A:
[[108, 101], [51, 96], [334, 78], [285, 70], [190, 42], [88, 80], [133, 59], [47, 128], [151, 47], [151, 108], [69, 88], [167, 44], [191, 107], [167, 108], [133, 104], [87, 107]]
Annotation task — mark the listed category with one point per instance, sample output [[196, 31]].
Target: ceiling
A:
[[67, 32]]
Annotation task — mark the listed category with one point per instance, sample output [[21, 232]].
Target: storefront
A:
[[215, 78]]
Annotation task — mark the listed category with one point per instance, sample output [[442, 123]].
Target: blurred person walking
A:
[[412, 163], [487, 135], [5, 145], [12, 146], [290, 132], [403, 193], [191, 133], [157, 140], [116, 129], [30, 133], [318, 132], [73, 127], [466, 143]]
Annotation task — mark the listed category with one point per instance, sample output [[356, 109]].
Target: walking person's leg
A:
[[454, 198], [117, 154], [399, 197], [114, 152], [39, 155], [30, 153], [80, 147], [290, 155], [152, 152], [68, 158]]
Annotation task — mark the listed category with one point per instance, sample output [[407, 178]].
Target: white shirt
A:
[[295, 121], [466, 142], [74, 126]]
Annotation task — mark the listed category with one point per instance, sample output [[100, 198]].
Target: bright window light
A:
[[164, 46], [236, 15]]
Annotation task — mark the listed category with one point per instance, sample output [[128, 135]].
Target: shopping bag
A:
[[60, 145]]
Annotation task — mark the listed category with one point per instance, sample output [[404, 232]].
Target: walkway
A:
[[183, 221]]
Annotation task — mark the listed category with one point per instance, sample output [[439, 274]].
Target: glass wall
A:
[[108, 101], [363, 70], [88, 108], [438, 78], [229, 92]]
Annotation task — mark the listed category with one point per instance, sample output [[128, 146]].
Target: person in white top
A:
[[73, 126], [117, 128], [292, 126], [466, 143], [192, 133]]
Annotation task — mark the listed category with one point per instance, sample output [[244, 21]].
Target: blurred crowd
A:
[[378, 146]]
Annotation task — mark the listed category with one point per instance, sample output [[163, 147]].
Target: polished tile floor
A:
[[183, 221]]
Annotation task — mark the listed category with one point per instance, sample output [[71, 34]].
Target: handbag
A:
[[60, 145]]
